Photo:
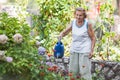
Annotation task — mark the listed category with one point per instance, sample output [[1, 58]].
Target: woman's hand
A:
[[90, 55], [59, 37]]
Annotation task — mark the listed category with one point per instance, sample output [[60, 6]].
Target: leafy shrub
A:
[[23, 52]]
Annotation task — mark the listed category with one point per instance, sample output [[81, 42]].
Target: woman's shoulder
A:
[[89, 21], [72, 22]]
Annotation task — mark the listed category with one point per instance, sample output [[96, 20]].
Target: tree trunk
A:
[[118, 7]]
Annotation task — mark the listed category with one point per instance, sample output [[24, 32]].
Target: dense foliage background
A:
[[53, 17], [56, 15]]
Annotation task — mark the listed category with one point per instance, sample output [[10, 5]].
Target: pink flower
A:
[[9, 59]]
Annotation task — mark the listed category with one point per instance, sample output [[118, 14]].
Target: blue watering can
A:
[[59, 50]]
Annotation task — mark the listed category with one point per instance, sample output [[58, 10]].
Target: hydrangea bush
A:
[[15, 41]]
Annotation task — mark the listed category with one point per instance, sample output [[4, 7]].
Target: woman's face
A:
[[79, 16]]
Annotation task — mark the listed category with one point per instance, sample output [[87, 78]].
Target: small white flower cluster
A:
[[3, 39], [18, 38], [4, 58], [8, 59], [38, 43], [41, 50]]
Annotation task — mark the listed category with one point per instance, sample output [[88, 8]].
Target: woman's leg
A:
[[73, 65], [85, 66]]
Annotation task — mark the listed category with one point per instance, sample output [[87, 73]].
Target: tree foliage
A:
[[53, 18]]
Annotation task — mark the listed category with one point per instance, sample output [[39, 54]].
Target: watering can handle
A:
[[59, 38]]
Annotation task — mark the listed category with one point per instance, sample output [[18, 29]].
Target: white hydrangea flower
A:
[[18, 38], [9, 59], [3, 39]]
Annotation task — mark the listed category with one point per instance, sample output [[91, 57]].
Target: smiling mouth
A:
[[79, 18]]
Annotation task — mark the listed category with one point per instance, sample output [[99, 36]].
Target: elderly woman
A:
[[83, 42]]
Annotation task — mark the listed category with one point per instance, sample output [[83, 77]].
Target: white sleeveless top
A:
[[81, 42]]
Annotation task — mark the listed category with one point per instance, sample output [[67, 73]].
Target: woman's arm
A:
[[92, 37], [66, 31]]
